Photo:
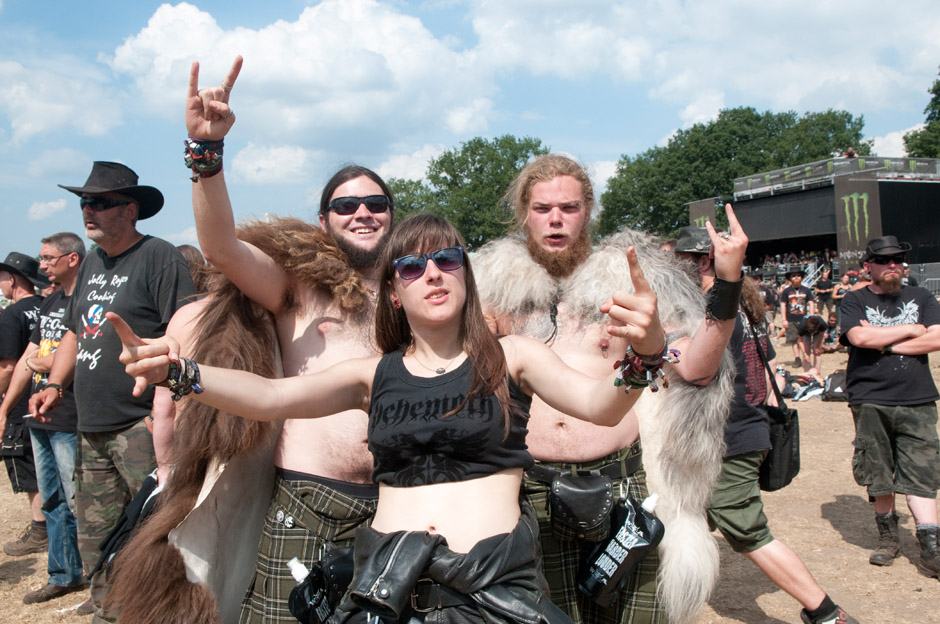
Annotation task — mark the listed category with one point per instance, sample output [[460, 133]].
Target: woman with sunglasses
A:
[[448, 404]]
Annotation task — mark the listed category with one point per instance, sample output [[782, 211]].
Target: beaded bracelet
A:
[[183, 378], [203, 157], [640, 371]]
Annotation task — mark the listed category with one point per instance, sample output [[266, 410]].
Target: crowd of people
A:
[[466, 423]]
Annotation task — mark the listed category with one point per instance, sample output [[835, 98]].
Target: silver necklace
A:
[[440, 370]]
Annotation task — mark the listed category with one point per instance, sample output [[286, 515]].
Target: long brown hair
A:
[[420, 234]]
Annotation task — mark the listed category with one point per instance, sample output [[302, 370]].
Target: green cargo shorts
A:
[[896, 449], [736, 508]]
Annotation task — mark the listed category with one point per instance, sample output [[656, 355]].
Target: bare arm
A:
[[63, 370], [867, 337], [926, 343], [344, 386], [701, 354], [18, 384], [208, 117], [40, 364], [6, 373]]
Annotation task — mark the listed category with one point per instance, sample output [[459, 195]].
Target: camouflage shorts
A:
[[896, 449], [638, 602], [109, 470]]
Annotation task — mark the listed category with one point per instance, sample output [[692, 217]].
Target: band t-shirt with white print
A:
[[144, 285], [888, 378]]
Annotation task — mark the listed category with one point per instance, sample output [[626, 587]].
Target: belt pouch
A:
[[581, 505]]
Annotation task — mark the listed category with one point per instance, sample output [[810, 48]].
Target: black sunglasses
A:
[[898, 260], [413, 266], [346, 206], [101, 203]]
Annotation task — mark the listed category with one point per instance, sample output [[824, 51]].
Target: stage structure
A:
[[837, 204]]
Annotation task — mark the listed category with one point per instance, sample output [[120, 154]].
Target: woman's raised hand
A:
[[637, 314], [147, 360], [208, 114]]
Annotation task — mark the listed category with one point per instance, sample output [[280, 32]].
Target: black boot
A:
[[889, 542], [929, 539]]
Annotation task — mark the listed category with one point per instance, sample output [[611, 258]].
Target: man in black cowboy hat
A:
[[796, 301], [889, 329], [19, 280], [144, 279]]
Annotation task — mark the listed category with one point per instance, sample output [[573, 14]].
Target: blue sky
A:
[[390, 84]]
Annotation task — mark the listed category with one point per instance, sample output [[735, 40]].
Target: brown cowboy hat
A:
[[884, 246], [110, 177], [24, 266]]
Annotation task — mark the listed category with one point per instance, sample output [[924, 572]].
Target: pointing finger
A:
[[124, 331], [640, 285], [193, 81]]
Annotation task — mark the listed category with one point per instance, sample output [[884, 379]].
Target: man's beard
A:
[[561, 263], [889, 283], [360, 258]]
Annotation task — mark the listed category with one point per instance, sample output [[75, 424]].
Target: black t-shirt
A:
[[747, 428], [16, 325], [796, 301], [843, 290], [804, 330], [888, 379], [823, 284], [769, 295], [414, 443], [47, 334], [144, 285]]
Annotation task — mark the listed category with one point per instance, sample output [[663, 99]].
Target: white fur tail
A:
[[689, 567]]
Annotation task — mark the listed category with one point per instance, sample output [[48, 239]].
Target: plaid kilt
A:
[[638, 602], [303, 517]]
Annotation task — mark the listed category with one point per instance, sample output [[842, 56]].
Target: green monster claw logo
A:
[[701, 221], [853, 199]]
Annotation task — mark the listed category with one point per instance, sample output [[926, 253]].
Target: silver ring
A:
[[725, 236], [230, 113], [225, 87]]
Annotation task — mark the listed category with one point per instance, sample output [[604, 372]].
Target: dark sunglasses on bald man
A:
[[883, 260], [346, 206], [101, 203], [413, 266]]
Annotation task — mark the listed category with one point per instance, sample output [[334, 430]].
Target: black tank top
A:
[[413, 443]]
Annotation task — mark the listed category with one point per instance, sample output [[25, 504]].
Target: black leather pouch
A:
[[581, 505]]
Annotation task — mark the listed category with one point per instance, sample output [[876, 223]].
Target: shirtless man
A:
[[323, 488], [544, 282]]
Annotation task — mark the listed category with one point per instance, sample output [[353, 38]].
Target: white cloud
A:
[[703, 108], [43, 210], [50, 94], [601, 171], [186, 237], [892, 144], [411, 166], [800, 55], [464, 120], [343, 68], [257, 164], [60, 162]]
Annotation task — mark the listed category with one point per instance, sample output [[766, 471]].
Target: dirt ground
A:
[[823, 515]]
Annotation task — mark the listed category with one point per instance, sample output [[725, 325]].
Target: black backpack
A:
[[835, 387]]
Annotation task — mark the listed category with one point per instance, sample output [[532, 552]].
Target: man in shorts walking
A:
[[889, 329], [796, 302]]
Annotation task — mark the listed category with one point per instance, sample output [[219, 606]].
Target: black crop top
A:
[[414, 444]]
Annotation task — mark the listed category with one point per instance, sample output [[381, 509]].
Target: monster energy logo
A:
[[701, 221], [851, 205]]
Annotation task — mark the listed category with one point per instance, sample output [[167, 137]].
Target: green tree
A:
[[466, 185], [649, 191], [925, 143]]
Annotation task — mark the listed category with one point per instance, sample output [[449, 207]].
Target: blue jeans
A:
[[54, 454]]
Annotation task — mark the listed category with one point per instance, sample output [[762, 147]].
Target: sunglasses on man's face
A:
[[101, 203], [884, 260], [413, 266], [346, 206]]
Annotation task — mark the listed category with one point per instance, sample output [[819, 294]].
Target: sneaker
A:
[[49, 591], [798, 363], [86, 608], [33, 540], [836, 617]]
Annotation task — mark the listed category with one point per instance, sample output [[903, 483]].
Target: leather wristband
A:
[[721, 303]]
